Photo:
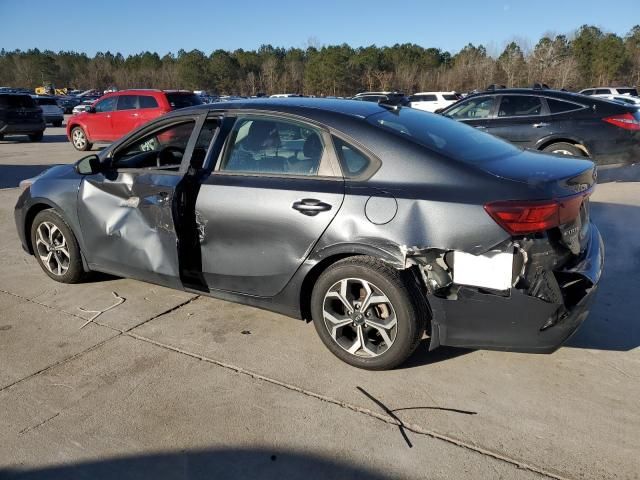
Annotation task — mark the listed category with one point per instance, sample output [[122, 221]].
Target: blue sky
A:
[[131, 26]]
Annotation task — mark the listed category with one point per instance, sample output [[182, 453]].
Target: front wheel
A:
[[367, 313], [56, 248], [79, 139]]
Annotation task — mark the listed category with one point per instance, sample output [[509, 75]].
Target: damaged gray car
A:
[[378, 223]]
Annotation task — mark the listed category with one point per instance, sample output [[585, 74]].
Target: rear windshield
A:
[[628, 91], [46, 101], [183, 100], [16, 101], [443, 135]]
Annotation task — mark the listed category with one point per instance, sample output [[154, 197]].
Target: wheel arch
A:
[[545, 142]]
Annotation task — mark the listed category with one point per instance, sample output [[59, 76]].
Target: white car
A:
[[285, 95], [610, 91], [51, 111], [83, 106], [432, 101], [627, 99]]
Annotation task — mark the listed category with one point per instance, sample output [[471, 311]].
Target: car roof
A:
[[546, 92], [303, 106]]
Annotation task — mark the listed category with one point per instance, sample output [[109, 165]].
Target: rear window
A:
[[183, 100], [46, 101], [628, 91], [16, 101], [423, 98], [558, 106], [147, 102], [442, 135], [450, 96]]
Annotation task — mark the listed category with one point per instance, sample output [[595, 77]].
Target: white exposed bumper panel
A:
[[492, 270]]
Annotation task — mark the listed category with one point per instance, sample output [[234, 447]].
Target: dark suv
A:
[[555, 121], [19, 115]]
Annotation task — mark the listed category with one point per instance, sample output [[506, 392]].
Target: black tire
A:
[[564, 148], [1, 136], [36, 137], [75, 271], [57, 124], [405, 297], [76, 134]]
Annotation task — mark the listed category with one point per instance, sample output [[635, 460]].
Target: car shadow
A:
[[619, 173], [422, 356], [236, 463], [11, 175], [47, 138], [613, 321]]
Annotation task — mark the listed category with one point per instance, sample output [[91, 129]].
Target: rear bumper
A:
[[53, 118], [519, 322], [21, 128]]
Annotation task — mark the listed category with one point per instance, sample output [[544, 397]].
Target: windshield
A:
[[183, 100], [442, 135]]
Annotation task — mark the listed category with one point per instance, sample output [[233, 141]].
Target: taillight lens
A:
[[625, 120], [523, 217]]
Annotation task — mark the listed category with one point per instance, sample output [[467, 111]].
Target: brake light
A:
[[523, 217], [625, 120]]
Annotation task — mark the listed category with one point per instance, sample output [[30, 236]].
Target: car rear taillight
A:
[[523, 217], [625, 120]]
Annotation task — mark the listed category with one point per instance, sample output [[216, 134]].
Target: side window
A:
[[558, 106], [352, 160], [202, 144], [161, 149], [519, 106], [127, 102], [603, 91], [263, 145], [106, 105], [474, 108], [146, 101], [587, 92]]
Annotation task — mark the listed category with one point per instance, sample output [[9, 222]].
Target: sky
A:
[[163, 26]]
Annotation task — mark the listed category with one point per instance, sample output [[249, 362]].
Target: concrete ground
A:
[[176, 386]]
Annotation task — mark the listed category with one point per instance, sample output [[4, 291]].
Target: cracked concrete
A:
[[172, 385]]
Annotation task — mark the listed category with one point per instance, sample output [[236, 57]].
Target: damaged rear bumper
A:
[[519, 321]]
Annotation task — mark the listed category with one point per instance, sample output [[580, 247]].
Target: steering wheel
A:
[[168, 156]]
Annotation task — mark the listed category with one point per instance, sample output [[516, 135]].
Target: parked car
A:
[[51, 111], [610, 91], [19, 115], [389, 98], [376, 222], [626, 99], [432, 101], [285, 95], [556, 122], [117, 113], [68, 103], [82, 106]]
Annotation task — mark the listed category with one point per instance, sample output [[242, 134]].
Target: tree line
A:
[[588, 57]]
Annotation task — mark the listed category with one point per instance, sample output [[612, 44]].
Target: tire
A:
[[36, 137], [564, 148], [57, 124], [48, 230], [79, 139], [404, 302], [1, 136]]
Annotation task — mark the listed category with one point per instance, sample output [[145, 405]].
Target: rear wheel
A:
[[367, 313], [36, 137], [56, 248], [79, 139], [564, 148]]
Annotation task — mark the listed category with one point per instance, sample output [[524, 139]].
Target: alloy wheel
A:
[[79, 139], [52, 248], [360, 317]]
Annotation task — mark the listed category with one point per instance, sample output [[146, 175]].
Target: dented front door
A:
[[127, 224]]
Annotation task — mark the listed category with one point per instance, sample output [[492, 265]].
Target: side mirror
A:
[[88, 165]]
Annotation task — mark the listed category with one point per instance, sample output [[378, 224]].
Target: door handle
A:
[[540, 125], [310, 206]]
